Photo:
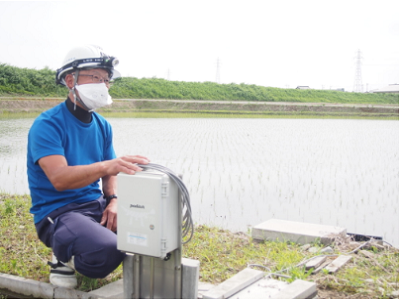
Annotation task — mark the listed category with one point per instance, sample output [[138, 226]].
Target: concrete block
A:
[[234, 284], [262, 289], [113, 290], [339, 262], [26, 287], [298, 289], [298, 232], [316, 262], [190, 278]]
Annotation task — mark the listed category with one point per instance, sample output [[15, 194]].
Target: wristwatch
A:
[[108, 198]]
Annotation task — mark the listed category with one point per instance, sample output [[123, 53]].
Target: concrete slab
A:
[[262, 289], [234, 284], [298, 289], [339, 262], [298, 232], [114, 290]]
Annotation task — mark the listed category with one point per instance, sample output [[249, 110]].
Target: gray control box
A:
[[147, 221]]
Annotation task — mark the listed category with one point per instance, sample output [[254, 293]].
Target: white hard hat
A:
[[87, 57]]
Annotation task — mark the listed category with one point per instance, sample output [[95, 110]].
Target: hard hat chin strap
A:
[[76, 75]]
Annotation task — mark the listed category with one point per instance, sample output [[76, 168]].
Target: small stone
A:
[[395, 294], [327, 250], [305, 247], [313, 250]]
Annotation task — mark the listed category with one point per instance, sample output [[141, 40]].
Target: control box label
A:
[[137, 239]]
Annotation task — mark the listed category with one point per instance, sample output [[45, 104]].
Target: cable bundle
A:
[[187, 222]]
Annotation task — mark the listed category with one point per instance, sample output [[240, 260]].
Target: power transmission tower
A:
[[217, 78], [358, 86]]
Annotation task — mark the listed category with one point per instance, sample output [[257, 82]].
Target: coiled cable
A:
[[187, 221]]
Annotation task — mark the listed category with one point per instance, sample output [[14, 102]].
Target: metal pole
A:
[[136, 271]]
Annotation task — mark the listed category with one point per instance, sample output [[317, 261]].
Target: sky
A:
[[285, 43]]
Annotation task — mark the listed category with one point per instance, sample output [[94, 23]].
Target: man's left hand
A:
[[110, 215]]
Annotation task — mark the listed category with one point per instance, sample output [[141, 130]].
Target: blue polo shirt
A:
[[58, 132]]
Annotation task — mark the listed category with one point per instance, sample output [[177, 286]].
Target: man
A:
[[69, 151]]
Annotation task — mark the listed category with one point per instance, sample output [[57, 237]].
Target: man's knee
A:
[[100, 262]]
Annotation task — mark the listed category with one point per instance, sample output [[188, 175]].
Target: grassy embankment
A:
[[26, 84], [221, 254]]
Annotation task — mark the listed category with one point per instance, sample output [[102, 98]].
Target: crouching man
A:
[[69, 150]]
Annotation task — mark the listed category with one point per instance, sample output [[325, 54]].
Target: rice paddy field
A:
[[241, 172]]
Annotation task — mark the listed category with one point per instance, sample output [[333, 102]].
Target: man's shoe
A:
[[61, 275]]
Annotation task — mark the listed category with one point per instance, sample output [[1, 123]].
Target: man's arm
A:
[[64, 177], [109, 184]]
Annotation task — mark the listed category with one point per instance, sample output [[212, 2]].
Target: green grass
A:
[[221, 253]]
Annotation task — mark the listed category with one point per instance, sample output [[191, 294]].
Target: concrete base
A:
[[301, 233]]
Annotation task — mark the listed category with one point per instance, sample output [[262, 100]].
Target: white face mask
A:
[[94, 95]]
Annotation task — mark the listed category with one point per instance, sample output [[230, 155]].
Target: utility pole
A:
[[217, 77], [358, 86]]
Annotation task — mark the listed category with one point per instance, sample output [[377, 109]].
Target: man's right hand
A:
[[126, 164]]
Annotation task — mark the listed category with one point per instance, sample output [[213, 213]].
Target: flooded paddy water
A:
[[241, 172]]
